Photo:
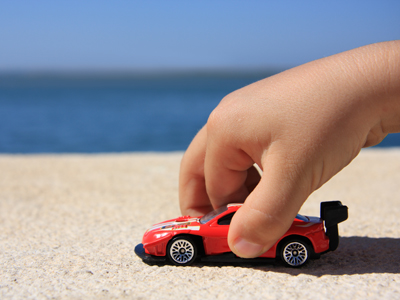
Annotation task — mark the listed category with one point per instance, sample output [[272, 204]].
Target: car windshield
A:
[[211, 215]]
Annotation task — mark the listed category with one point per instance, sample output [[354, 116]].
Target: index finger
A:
[[226, 172], [193, 196]]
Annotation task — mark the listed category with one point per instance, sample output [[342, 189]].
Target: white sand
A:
[[69, 224]]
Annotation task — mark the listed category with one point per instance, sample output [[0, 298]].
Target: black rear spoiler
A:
[[333, 213]]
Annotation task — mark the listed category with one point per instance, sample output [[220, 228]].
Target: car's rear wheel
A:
[[295, 252], [182, 251]]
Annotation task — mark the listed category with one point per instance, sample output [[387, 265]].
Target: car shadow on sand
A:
[[355, 255]]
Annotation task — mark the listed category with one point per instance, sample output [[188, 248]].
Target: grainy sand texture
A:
[[69, 225]]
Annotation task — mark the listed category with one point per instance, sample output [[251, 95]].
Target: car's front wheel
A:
[[182, 251], [295, 252]]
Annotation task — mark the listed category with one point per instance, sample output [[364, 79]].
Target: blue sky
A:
[[167, 35]]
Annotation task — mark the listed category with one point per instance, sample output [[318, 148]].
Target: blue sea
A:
[[97, 113]]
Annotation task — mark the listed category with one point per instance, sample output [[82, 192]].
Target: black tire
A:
[[182, 251], [294, 252]]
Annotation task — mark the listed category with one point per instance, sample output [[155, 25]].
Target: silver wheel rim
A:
[[181, 251], [295, 254]]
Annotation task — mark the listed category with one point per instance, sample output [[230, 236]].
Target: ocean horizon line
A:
[[199, 79], [134, 74]]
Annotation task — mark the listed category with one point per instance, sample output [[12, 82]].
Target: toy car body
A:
[[185, 239]]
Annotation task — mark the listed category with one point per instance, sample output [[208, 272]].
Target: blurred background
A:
[[117, 76]]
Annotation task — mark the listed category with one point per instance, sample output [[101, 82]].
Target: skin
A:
[[301, 127]]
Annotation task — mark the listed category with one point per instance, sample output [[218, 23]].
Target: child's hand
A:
[[301, 127]]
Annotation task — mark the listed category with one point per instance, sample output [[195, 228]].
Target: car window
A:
[[302, 218], [213, 214], [226, 220]]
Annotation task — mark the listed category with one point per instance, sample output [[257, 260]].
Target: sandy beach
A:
[[69, 225]]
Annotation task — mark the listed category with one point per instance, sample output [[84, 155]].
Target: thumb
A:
[[269, 210]]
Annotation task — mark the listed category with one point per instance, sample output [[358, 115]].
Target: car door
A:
[[216, 240]]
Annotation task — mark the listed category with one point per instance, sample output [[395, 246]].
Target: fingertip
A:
[[258, 225], [253, 232], [196, 211], [246, 249]]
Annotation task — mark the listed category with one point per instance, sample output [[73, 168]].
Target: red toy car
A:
[[185, 239]]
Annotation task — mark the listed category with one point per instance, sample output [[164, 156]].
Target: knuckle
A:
[[217, 120], [227, 118]]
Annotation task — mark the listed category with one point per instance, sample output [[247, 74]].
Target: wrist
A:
[[375, 71]]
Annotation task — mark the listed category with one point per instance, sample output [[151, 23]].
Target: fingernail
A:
[[247, 249]]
